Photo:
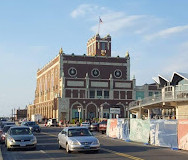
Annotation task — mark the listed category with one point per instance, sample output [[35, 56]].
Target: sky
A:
[[32, 32]]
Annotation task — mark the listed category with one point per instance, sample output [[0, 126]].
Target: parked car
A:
[[85, 124], [94, 127], [32, 125], [103, 126], [52, 122], [20, 137], [77, 139], [4, 131]]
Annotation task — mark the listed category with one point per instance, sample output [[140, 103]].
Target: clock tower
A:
[[97, 46]]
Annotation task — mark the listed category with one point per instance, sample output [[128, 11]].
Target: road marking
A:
[[49, 134], [42, 151], [108, 150], [122, 154]]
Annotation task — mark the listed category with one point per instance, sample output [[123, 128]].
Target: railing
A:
[[176, 93]]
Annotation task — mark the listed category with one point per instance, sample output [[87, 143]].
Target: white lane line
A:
[[42, 151]]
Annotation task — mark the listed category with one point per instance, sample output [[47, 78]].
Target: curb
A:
[[1, 157]]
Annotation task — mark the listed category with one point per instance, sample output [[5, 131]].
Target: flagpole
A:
[[98, 26], [100, 21]]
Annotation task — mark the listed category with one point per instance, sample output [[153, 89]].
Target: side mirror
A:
[[63, 132]]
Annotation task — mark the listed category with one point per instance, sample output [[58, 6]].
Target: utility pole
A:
[[12, 115]]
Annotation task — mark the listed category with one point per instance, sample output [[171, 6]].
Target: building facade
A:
[[21, 114], [172, 101], [147, 90], [94, 83]]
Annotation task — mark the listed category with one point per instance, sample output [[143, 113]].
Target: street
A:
[[47, 148]]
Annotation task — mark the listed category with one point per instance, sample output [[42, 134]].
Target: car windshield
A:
[[85, 123], [31, 123], [79, 132], [104, 122], [7, 123], [6, 128], [20, 131], [53, 120]]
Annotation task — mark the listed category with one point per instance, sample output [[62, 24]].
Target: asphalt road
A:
[[111, 149]]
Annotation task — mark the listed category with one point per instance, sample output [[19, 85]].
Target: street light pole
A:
[[79, 110], [98, 113]]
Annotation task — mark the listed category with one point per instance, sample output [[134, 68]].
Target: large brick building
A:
[[94, 82]]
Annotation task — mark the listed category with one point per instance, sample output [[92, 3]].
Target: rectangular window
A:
[[103, 46], [129, 94], [116, 94], [122, 94], [156, 93], [75, 93], [106, 94], [99, 94], [92, 94], [150, 93], [139, 94]]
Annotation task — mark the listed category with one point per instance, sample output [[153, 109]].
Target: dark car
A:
[[103, 126], [34, 127], [94, 127], [6, 123]]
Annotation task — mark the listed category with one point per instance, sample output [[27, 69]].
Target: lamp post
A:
[[98, 112], [101, 112], [79, 110]]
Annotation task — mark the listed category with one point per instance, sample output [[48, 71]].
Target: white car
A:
[[51, 122], [20, 137], [77, 139], [85, 124]]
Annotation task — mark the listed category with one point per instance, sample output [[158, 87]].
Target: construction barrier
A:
[[139, 130], [163, 133], [183, 134], [122, 129], [160, 132], [113, 128], [108, 127]]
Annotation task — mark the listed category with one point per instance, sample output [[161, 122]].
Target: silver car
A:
[[20, 137], [77, 139]]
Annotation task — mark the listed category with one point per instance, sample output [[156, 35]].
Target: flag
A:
[[100, 20]]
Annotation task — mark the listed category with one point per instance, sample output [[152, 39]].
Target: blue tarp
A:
[[123, 129], [164, 133]]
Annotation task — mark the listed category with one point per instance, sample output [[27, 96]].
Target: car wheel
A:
[[34, 148], [59, 145], [8, 149], [96, 151], [67, 148]]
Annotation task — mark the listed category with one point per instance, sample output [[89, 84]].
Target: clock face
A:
[[95, 72], [117, 73], [72, 72]]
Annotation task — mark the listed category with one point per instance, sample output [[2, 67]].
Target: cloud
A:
[[83, 10], [178, 62], [167, 32], [114, 21]]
